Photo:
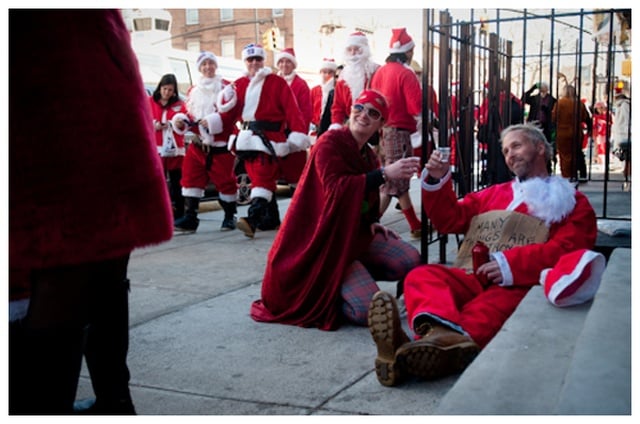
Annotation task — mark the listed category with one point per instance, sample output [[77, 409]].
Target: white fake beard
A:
[[202, 99]]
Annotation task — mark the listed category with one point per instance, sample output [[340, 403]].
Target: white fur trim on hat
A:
[[575, 279], [253, 50], [328, 64], [357, 39], [287, 53], [400, 42], [204, 56]]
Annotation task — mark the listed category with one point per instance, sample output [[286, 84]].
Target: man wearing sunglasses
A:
[[272, 127], [331, 249]]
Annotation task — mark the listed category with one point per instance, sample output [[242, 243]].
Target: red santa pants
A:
[[195, 174], [264, 171], [292, 166], [457, 296]]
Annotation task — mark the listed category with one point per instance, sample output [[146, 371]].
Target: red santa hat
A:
[[400, 42], [575, 279], [328, 64], [206, 56], [376, 99], [358, 38], [287, 53], [253, 50]]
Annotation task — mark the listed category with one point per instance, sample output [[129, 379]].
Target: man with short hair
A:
[[322, 94], [456, 311]]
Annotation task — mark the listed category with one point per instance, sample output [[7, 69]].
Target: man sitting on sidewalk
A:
[[455, 311]]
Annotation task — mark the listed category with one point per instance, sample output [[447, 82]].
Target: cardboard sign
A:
[[500, 230]]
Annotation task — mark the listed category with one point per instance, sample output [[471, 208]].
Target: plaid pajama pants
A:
[[385, 260]]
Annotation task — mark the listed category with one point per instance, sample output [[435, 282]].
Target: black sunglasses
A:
[[372, 113]]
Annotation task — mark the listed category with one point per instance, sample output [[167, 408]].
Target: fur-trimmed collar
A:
[[550, 199]]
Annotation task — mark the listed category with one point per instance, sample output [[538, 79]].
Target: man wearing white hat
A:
[[355, 77], [455, 311], [208, 157], [320, 93], [272, 127], [398, 82], [293, 164]]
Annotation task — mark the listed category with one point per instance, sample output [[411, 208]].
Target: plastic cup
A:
[[445, 154]]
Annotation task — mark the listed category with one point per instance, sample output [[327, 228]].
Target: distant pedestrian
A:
[[621, 134], [272, 127], [400, 86], [208, 157], [292, 164], [165, 104], [322, 95], [570, 116], [354, 78]]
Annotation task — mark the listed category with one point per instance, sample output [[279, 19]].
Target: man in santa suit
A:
[[208, 157], [355, 77], [320, 94], [272, 127], [399, 84], [293, 164], [455, 312]]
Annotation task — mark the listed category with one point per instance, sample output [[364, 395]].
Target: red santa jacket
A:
[[302, 93], [212, 104], [400, 85], [165, 114], [89, 186], [267, 98], [566, 212]]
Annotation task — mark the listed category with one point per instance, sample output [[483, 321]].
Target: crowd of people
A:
[[330, 250]]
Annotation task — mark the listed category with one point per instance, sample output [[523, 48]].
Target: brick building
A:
[[227, 31]]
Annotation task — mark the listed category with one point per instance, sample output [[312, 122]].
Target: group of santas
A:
[[276, 114]]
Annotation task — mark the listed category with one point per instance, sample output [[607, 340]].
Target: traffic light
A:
[[270, 39], [266, 40]]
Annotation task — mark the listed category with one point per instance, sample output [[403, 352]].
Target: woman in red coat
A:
[[86, 188], [165, 104]]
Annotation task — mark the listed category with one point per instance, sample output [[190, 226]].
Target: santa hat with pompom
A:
[[287, 53], [575, 279], [400, 42]]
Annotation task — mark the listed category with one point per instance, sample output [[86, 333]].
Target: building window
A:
[[226, 15], [142, 24], [277, 12], [162, 24], [191, 16], [193, 46], [227, 48]]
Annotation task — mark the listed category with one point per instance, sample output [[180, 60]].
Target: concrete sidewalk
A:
[[194, 350]]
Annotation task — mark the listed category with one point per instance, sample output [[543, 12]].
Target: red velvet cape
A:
[[326, 227]]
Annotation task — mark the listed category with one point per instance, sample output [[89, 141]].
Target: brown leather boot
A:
[[440, 352], [386, 330]]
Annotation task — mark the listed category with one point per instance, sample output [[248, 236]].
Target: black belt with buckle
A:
[[261, 126]]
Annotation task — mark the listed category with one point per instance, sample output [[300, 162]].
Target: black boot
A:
[[189, 222], [257, 210], [229, 221], [106, 348], [175, 192], [271, 219], [44, 367]]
